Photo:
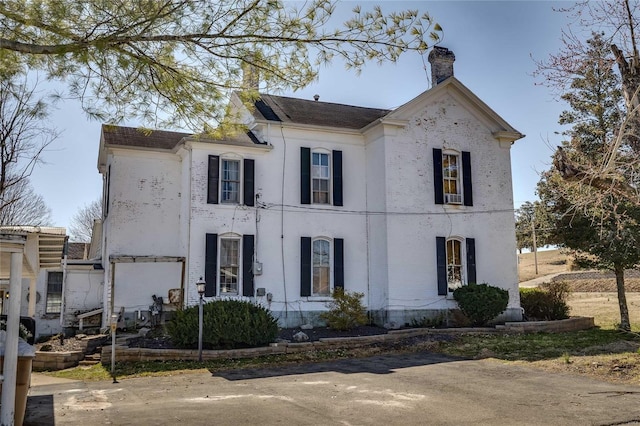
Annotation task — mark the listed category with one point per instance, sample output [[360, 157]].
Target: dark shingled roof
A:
[[131, 136], [157, 139], [302, 111]]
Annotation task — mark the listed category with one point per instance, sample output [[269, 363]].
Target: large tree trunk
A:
[[625, 324]]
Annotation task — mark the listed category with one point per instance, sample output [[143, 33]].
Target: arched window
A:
[[451, 178], [321, 280], [455, 278], [320, 177], [229, 271]]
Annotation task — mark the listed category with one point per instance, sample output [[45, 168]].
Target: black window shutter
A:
[[471, 260], [337, 178], [214, 175], [305, 175], [438, 189], [441, 262], [211, 264], [338, 263], [247, 265], [305, 266], [467, 191], [249, 183]]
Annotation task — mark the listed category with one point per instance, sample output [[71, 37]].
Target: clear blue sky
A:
[[494, 43]]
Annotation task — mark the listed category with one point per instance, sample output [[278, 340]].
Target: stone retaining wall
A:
[[51, 361], [126, 354], [560, 326]]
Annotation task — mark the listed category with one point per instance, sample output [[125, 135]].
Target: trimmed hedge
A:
[[481, 302], [545, 303], [227, 324]]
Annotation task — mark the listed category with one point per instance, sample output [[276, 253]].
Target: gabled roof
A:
[[500, 128], [302, 111]]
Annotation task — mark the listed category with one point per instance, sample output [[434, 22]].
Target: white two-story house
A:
[[401, 205]]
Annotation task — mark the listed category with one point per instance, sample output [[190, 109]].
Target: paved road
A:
[[414, 389]]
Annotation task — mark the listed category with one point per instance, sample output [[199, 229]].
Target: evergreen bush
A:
[[345, 311], [545, 303], [227, 324], [481, 302]]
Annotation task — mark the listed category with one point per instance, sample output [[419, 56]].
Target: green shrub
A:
[[481, 302], [546, 303], [345, 311], [227, 324]]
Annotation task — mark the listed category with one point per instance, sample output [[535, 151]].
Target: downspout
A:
[[65, 251], [185, 299], [113, 287], [184, 264]]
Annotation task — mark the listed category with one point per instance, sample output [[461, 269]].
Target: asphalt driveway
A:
[[412, 389]]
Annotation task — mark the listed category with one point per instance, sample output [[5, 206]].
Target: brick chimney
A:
[[250, 76], [441, 60]]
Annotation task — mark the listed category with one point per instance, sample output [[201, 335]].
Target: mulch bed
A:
[[164, 342]]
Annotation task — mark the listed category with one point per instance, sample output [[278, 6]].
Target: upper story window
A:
[[452, 177], [320, 177], [230, 185], [230, 181]]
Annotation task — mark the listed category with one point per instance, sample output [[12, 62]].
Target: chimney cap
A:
[[442, 53]]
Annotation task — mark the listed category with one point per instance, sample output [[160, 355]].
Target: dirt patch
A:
[[601, 284], [549, 262]]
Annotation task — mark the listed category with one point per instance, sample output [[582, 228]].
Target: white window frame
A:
[[452, 265], [223, 291], [329, 267], [222, 180], [449, 196], [55, 304], [316, 175]]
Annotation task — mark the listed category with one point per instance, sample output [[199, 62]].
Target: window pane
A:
[[450, 166], [450, 186], [321, 281]]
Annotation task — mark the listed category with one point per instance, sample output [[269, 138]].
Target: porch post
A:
[[10, 367]]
